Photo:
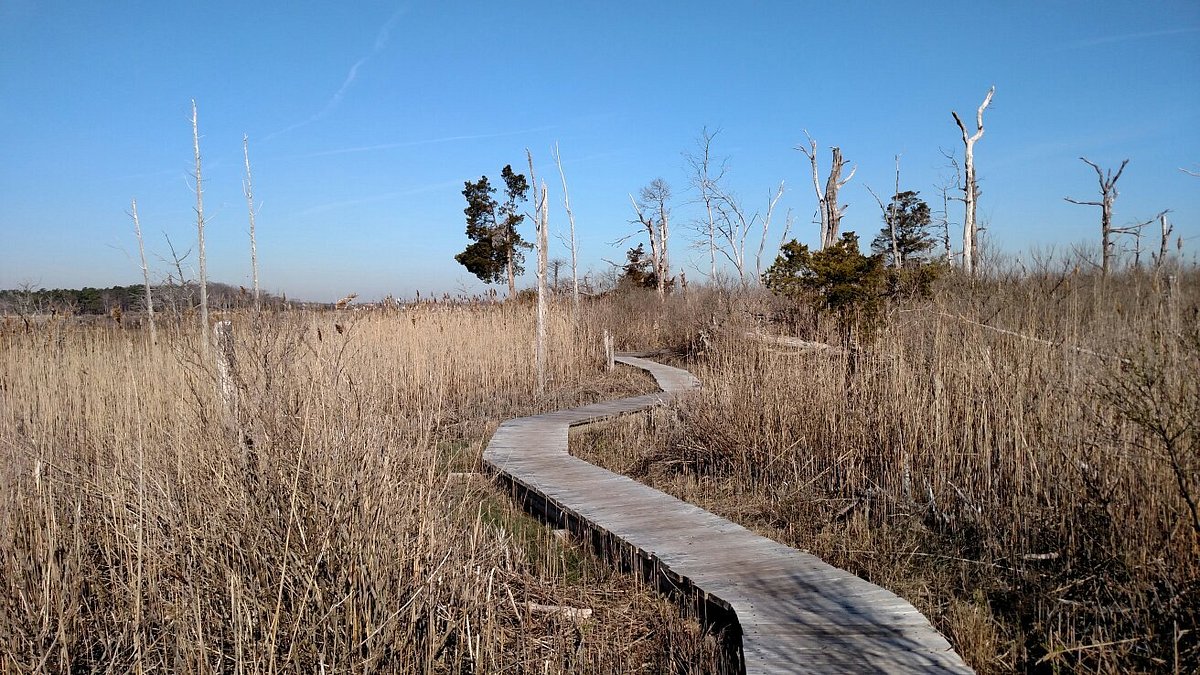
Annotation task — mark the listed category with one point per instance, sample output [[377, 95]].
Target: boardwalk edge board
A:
[[790, 611]]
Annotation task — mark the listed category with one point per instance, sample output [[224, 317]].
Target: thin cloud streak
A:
[[1128, 37], [321, 208], [382, 37], [426, 141]]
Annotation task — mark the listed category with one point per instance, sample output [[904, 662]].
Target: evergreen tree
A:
[[638, 271], [912, 219], [495, 251], [839, 280]]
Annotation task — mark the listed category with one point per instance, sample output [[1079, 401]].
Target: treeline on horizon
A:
[[132, 298]]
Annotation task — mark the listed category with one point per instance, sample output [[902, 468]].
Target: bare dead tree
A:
[[787, 227], [137, 229], [543, 226], [653, 214], [555, 266], [1165, 228], [766, 221], [823, 214], [832, 185], [541, 222], [707, 184], [971, 186], [200, 235], [248, 189], [732, 227], [1108, 194], [574, 246], [1135, 230], [176, 293], [827, 201], [889, 217]]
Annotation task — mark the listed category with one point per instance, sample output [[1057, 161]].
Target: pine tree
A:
[[910, 216], [839, 280], [496, 248]]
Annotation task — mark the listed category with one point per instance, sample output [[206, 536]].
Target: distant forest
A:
[[167, 298]]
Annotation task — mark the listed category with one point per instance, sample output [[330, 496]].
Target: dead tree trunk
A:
[[707, 184], [664, 234], [827, 201], [137, 228], [971, 186], [654, 215], [811, 153], [1166, 228], [204, 339], [1108, 195], [946, 252], [832, 186], [897, 261], [574, 246], [248, 188], [762, 242], [543, 223]]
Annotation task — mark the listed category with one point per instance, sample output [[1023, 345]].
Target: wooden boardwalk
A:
[[796, 614]]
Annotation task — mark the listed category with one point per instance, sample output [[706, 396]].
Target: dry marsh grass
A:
[[317, 528], [1036, 501]]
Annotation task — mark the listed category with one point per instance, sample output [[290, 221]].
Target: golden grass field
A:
[[137, 532], [1035, 500]]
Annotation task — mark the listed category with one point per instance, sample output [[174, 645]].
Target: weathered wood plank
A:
[[796, 613]]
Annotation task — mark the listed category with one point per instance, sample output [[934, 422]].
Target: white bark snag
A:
[[897, 261], [248, 188], [654, 198], [827, 201], [1166, 228], [947, 254], [542, 245], [1108, 194], [734, 227], [811, 153], [762, 243], [664, 234], [971, 187], [200, 235], [541, 221], [137, 228], [832, 186], [574, 246], [707, 184]]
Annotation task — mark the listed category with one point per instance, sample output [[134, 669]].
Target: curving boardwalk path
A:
[[796, 614]]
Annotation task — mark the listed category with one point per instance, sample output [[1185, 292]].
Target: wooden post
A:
[[609, 356]]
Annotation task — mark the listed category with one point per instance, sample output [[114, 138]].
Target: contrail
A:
[[319, 208], [425, 141], [381, 41], [1128, 37]]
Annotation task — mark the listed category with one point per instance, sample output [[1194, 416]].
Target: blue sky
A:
[[365, 118]]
